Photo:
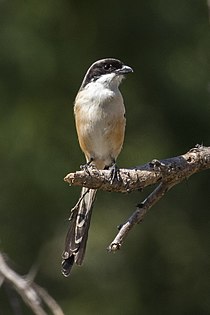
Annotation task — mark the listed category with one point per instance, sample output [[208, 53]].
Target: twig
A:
[[27, 289], [49, 301], [138, 215]]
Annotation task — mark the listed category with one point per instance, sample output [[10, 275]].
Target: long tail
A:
[[77, 235]]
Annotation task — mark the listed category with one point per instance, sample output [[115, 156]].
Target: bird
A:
[[100, 123]]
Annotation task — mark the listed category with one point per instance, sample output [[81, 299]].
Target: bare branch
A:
[[174, 169], [32, 294], [138, 215], [166, 173], [49, 301]]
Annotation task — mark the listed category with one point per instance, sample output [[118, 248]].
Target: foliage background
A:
[[46, 48]]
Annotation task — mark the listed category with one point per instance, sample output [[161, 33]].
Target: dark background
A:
[[45, 50]]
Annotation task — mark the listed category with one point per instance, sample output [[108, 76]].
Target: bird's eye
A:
[[107, 66]]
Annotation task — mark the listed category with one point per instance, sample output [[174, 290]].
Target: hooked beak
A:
[[124, 70]]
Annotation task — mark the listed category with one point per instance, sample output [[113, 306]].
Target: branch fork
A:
[[163, 173]]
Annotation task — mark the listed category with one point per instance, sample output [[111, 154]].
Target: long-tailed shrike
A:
[[100, 122]]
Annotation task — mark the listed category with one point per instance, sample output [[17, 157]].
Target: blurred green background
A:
[[45, 50]]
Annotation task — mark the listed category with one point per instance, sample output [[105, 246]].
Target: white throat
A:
[[110, 81]]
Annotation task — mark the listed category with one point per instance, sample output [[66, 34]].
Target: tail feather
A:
[[77, 235]]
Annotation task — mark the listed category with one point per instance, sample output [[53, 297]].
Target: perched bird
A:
[[100, 123]]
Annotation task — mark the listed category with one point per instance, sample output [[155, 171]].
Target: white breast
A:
[[99, 108]]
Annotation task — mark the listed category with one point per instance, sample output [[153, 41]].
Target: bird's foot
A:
[[115, 173], [87, 166]]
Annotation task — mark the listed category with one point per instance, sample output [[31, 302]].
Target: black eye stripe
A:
[[100, 68]]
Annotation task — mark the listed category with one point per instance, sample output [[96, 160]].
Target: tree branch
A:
[[31, 293], [173, 169], [166, 173]]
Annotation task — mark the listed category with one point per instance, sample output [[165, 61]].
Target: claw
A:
[[115, 173], [86, 166]]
